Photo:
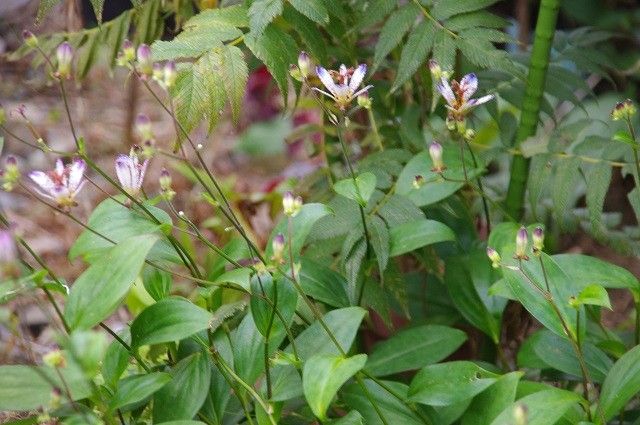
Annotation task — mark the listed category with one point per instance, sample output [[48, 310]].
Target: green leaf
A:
[[323, 376], [445, 9], [118, 223], [100, 289], [312, 9], [184, 395], [351, 418], [360, 190], [416, 234], [343, 324], [414, 348], [593, 295], [449, 383], [621, 384], [191, 95], [248, 349], [394, 411], [170, 319], [435, 188], [183, 423], [543, 408], [138, 387], [116, 360], [280, 292], [558, 353], [98, 5], [374, 11], [301, 225], [323, 284], [624, 137], [415, 52], [277, 50], [562, 289], [230, 63], [262, 12], [487, 405], [393, 30], [584, 270], [379, 237], [599, 178], [29, 387]]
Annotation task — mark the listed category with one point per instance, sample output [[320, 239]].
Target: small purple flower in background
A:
[[458, 95], [64, 55], [346, 89], [63, 184], [145, 64], [131, 172], [8, 255]]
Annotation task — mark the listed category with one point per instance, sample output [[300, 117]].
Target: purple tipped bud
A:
[[11, 161], [435, 152], [170, 74], [522, 240], [158, 72], [623, 110], [291, 205], [165, 185], [29, 38], [304, 64], [436, 71], [128, 50], [145, 64], [364, 101], [64, 55], [11, 173], [54, 359], [537, 237], [418, 182], [143, 127], [278, 244], [494, 257]]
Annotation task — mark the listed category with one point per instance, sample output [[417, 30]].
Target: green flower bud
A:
[[623, 110], [29, 38], [418, 182]]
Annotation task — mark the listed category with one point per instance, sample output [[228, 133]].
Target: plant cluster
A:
[[405, 219]]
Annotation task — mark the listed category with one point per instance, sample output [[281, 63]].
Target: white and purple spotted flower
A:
[[345, 90], [63, 184], [458, 95], [130, 172]]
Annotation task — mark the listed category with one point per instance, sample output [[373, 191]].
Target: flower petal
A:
[[142, 172], [43, 180], [59, 167], [468, 86], [326, 79], [357, 77], [323, 92], [123, 171], [76, 172], [363, 90], [445, 90]]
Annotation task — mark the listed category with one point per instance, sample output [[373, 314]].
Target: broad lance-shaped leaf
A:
[[280, 292], [414, 348], [100, 289], [487, 405], [138, 387], [543, 408], [449, 383], [621, 384], [323, 376], [170, 319], [183, 396], [360, 190], [416, 234]]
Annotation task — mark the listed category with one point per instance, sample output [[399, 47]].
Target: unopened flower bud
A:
[[148, 150], [623, 110], [158, 72], [304, 64], [294, 72], [10, 174], [418, 182], [64, 55], [434, 68], [450, 123], [364, 100], [435, 152], [54, 359], [55, 399], [537, 236], [494, 257], [29, 38], [128, 51], [291, 205], [522, 240], [165, 184], [144, 62], [143, 127], [278, 245], [170, 74], [469, 134]]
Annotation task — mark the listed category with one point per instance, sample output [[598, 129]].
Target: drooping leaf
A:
[[445, 384], [100, 289], [414, 348], [170, 319], [323, 376]]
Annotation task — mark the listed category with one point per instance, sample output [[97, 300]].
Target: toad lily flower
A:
[[348, 81], [62, 184], [131, 172], [458, 95]]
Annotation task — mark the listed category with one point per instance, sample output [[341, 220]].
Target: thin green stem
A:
[[485, 206], [374, 127], [68, 110]]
